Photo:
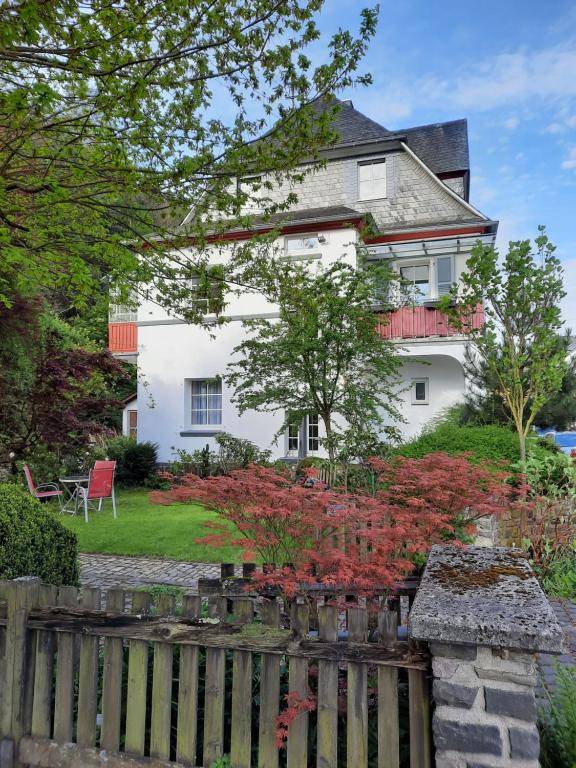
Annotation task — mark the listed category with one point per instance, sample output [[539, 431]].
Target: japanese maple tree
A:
[[341, 540]]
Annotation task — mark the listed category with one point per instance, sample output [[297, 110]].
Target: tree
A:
[[483, 405], [517, 349], [346, 541], [53, 391], [323, 355], [116, 118]]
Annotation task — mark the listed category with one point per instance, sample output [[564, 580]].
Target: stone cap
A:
[[483, 596]]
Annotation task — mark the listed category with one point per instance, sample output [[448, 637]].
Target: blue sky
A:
[[509, 67]]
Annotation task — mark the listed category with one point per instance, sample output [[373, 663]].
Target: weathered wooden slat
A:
[[112, 680], [297, 747], [21, 595], [44, 673], [65, 668], [357, 717], [43, 753], [241, 739], [327, 750], [269, 694], [223, 636], [162, 688], [419, 708], [88, 678], [137, 682], [214, 698], [186, 732], [388, 724]]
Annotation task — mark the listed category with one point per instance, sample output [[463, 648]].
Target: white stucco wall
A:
[[446, 385]]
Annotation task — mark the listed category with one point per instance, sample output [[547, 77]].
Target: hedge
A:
[[33, 542], [490, 442]]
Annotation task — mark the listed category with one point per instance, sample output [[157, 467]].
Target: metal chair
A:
[[100, 487], [44, 491]]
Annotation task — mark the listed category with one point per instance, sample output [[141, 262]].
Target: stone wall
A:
[[485, 617], [555, 520]]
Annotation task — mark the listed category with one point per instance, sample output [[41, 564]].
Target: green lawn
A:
[[151, 530]]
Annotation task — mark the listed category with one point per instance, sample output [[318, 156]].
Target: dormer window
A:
[[372, 179], [303, 247]]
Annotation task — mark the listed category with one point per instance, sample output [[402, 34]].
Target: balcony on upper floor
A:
[[123, 338], [425, 322]]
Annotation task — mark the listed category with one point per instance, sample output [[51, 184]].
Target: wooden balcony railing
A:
[[424, 323], [122, 338]]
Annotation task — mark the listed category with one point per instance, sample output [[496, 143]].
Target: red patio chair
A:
[[44, 491], [100, 487], [104, 464]]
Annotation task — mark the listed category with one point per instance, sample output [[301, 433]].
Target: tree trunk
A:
[[331, 448]]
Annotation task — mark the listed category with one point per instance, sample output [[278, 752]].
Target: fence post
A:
[[15, 710], [485, 617]]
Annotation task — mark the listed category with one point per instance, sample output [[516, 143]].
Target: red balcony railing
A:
[[122, 338], [424, 323]]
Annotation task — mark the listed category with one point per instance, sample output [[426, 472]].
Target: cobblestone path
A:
[[106, 571], [565, 612]]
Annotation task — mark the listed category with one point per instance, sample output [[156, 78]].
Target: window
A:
[[251, 187], [207, 288], [419, 391], [313, 432], [133, 424], [206, 401], [124, 313], [305, 247], [372, 180], [293, 438], [444, 274], [416, 279]]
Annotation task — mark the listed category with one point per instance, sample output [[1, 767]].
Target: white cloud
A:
[[570, 161], [512, 123], [519, 78], [555, 128]]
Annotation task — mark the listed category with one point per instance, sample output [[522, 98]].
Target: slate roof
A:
[[442, 146]]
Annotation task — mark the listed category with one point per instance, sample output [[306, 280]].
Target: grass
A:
[[149, 530]]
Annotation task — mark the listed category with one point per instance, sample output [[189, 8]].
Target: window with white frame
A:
[[124, 313], [420, 391], [313, 433], [303, 247], [416, 281], [206, 402], [293, 439], [372, 179]]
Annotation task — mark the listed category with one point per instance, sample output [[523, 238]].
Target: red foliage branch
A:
[[294, 706], [347, 540]]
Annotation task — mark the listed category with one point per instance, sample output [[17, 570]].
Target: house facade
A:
[[413, 188]]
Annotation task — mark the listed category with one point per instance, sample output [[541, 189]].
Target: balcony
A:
[[122, 338], [425, 323]]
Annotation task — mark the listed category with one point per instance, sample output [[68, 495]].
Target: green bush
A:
[[33, 542], [557, 722], [550, 474], [135, 462], [490, 442], [233, 453]]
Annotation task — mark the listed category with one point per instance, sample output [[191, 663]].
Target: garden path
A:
[[565, 611], [106, 571]]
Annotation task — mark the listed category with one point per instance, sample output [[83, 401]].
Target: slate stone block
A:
[[466, 737], [510, 703], [454, 695], [452, 651], [524, 744]]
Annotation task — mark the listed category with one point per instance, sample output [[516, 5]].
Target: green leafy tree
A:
[[323, 355], [483, 404], [118, 117], [518, 347]]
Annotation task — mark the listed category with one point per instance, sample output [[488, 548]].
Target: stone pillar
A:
[[485, 617]]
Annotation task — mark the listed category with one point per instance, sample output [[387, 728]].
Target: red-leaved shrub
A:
[[346, 540]]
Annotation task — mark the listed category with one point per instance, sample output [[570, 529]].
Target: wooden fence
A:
[[137, 685]]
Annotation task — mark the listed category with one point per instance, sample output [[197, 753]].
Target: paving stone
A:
[[107, 571]]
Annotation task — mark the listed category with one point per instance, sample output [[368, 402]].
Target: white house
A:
[[414, 185]]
